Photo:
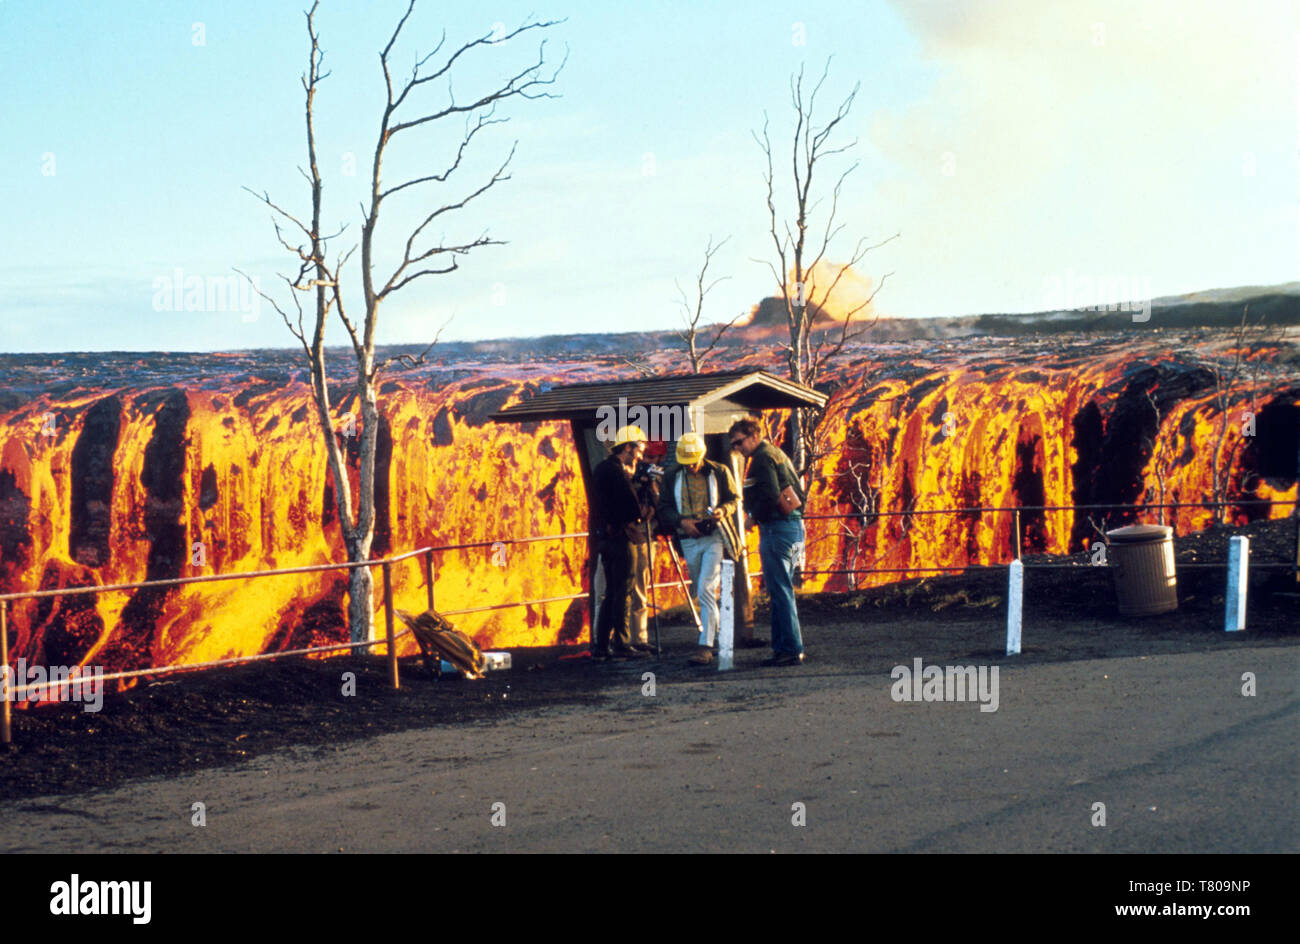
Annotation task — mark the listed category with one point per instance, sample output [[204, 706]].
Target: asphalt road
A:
[[1182, 760]]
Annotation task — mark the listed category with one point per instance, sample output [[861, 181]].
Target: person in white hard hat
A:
[[616, 519], [698, 500]]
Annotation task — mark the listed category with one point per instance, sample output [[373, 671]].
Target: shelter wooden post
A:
[[744, 600]]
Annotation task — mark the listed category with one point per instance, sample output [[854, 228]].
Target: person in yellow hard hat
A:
[[698, 500], [616, 518]]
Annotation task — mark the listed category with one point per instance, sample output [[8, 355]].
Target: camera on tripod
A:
[[646, 482], [648, 471]]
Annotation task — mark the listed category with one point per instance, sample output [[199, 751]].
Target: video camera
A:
[[648, 470], [645, 482]]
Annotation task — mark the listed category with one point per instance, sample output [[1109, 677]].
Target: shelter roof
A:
[[752, 389]]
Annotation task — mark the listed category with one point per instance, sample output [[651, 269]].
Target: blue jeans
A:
[[704, 561], [779, 543]]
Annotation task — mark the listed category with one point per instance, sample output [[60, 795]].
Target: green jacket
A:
[[770, 470]]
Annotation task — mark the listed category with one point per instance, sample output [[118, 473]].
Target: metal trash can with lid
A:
[[1142, 559]]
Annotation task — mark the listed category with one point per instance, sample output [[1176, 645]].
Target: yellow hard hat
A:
[[690, 449], [629, 434]]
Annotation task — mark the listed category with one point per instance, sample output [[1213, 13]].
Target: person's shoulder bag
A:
[[789, 500]]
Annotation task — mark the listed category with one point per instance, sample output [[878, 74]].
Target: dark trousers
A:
[[616, 558]]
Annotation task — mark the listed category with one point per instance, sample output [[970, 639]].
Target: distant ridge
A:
[[1209, 308]]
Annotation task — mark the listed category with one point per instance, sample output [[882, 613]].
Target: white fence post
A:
[[1234, 617], [1015, 591], [727, 617]]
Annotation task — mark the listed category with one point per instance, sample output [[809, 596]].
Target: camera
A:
[[646, 481], [707, 524]]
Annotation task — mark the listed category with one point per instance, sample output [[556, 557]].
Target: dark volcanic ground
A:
[[191, 721]]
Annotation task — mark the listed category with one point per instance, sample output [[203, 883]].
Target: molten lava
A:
[[121, 483]]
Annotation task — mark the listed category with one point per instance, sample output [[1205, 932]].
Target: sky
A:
[[1014, 146]]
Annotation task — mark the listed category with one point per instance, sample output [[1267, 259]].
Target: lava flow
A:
[[116, 472]]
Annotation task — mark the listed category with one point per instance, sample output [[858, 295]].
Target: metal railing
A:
[[1016, 546], [8, 694], [430, 574]]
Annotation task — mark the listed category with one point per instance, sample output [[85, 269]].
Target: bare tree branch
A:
[[356, 515], [1225, 384], [266, 198], [692, 317], [641, 367], [395, 281], [483, 122], [522, 83], [810, 349], [408, 361]]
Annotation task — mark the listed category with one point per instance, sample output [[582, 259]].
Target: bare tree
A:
[[641, 364], [1162, 460], [1229, 378], [801, 247], [422, 256], [1226, 378], [864, 495], [692, 316], [1100, 527]]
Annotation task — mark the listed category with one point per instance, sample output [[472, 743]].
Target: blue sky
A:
[[1012, 144]]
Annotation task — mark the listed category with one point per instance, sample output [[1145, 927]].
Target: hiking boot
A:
[[703, 656]]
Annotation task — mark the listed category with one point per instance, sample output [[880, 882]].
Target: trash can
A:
[[1142, 559]]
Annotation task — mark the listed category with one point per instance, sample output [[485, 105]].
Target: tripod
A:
[[654, 603], [681, 579]]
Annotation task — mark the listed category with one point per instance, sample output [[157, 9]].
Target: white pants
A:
[[704, 560]]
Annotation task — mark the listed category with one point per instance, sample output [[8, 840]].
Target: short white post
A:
[[727, 617], [1015, 591], [1234, 617]]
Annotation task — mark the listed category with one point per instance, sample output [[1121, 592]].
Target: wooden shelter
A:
[[665, 407]]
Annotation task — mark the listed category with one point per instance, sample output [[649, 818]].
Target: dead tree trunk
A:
[[420, 257], [799, 252]]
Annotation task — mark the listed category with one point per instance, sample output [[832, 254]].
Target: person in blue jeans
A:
[[780, 533], [698, 504]]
